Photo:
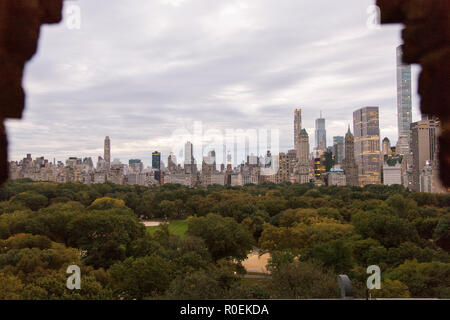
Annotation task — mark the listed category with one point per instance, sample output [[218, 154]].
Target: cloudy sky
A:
[[141, 70]]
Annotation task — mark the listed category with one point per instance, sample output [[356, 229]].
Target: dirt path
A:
[[151, 223], [255, 263]]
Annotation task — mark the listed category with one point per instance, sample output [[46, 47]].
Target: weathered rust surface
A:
[[426, 38], [20, 23]]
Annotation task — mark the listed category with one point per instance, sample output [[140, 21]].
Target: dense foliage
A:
[[312, 234]]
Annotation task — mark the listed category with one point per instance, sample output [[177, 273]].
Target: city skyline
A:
[[365, 161], [188, 147], [189, 150], [237, 61]]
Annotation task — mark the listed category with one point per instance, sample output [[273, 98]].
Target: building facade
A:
[[321, 135], [404, 104], [366, 128], [338, 149], [424, 147], [349, 164], [297, 130], [336, 177], [392, 174], [107, 151], [302, 170]]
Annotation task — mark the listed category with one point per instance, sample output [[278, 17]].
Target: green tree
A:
[[392, 289], [169, 209], [10, 287], [224, 237], [424, 280], [32, 200], [404, 207], [104, 235], [107, 203], [199, 285], [142, 277], [389, 230], [335, 254], [442, 232], [303, 280]]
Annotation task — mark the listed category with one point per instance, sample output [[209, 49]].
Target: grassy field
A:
[[176, 227]]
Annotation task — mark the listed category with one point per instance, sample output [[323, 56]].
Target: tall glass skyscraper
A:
[[366, 126], [404, 104], [189, 161], [321, 134], [338, 149], [156, 165]]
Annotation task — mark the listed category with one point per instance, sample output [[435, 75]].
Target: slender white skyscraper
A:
[[188, 153], [321, 134], [404, 104], [189, 162]]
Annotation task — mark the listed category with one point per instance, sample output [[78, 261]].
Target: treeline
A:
[[312, 233]]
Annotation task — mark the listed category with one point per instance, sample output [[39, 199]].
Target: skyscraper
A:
[[424, 147], [107, 151], [189, 162], [349, 164], [209, 162], [156, 165], [385, 148], [338, 149], [297, 130], [303, 166], [156, 160], [366, 127], [136, 165], [172, 162], [404, 104], [321, 135]]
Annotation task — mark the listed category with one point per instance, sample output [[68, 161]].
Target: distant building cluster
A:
[[356, 159]]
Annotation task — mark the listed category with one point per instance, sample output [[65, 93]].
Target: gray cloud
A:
[[139, 70]]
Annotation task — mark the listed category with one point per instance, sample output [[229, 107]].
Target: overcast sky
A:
[[139, 70]]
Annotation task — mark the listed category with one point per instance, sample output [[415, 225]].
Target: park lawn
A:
[[176, 227]]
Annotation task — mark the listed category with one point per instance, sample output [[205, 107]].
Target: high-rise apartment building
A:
[[107, 151], [297, 130], [366, 127], [189, 162], [135, 165], [338, 149], [301, 139], [209, 162], [321, 135], [156, 165], [385, 148], [303, 166], [392, 170], [404, 104], [156, 160], [172, 163], [424, 147], [349, 164], [188, 153]]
